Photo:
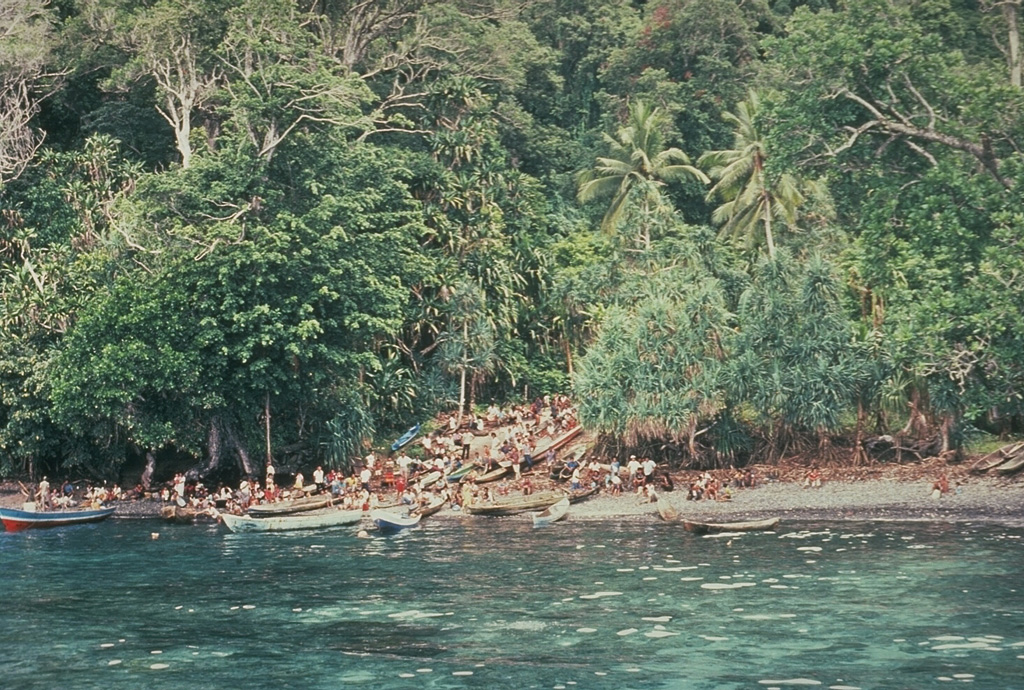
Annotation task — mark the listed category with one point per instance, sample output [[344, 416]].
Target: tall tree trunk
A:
[[147, 474], [243, 455], [567, 347], [1013, 56], [266, 414], [462, 374], [769, 238]]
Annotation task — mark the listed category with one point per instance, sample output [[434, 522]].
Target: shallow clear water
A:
[[494, 603]]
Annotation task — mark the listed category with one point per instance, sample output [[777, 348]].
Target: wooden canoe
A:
[[16, 520], [298, 505], [426, 511], [996, 458], [558, 442], [428, 479], [492, 475], [716, 527], [516, 504], [1012, 464], [667, 511], [405, 438], [460, 474], [321, 519], [553, 513], [583, 494]]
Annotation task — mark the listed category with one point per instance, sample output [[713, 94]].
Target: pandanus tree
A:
[[752, 198], [637, 168]]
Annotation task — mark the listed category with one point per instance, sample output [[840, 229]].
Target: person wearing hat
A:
[[43, 494]]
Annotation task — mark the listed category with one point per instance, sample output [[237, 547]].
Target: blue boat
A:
[[405, 438], [389, 521], [17, 520]]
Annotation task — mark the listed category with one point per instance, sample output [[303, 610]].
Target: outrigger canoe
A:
[[551, 514], [16, 520], [389, 521], [716, 527], [284, 523], [298, 505], [404, 439]]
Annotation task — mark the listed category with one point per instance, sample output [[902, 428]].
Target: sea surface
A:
[[495, 603]]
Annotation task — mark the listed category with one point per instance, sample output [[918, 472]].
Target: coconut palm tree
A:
[[749, 198], [637, 161]]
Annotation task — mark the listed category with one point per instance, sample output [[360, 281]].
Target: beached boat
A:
[[405, 438], [715, 527], [390, 521], [997, 458], [433, 507], [581, 495], [553, 513], [297, 505], [558, 442], [493, 475], [182, 516], [667, 511], [321, 519], [428, 479], [516, 504], [460, 474], [1013, 464], [16, 520]]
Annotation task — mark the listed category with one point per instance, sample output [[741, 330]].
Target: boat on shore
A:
[[558, 442], [1013, 464], [516, 504], [494, 474], [460, 474], [582, 494], [997, 458], [667, 511], [295, 505], [717, 527], [405, 438], [429, 509], [390, 521], [321, 519], [553, 513], [15, 520]]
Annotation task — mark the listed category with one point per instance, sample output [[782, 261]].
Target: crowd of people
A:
[[67, 495]]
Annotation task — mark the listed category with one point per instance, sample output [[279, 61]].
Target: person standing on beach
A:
[[43, 494]]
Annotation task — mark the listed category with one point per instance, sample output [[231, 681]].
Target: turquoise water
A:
[[494, 603]]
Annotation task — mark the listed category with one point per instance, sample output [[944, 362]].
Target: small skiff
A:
[[667, 511], [715, 527], [16, 520], [390, 521], [321, 519], [552, 513], [460, 474]]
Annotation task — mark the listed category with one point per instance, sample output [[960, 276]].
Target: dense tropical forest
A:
[[733, 229]]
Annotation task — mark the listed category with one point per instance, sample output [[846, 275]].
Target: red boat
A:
[[16, 520]]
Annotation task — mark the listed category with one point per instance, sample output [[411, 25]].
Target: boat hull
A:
[[520, 504], [552, 513], [387, 521], [287, 523], [300, 505], [17, 520], [718, 527]]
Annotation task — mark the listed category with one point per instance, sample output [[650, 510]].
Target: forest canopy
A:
[[232, 230]]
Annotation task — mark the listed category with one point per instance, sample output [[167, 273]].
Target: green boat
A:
[[460, 474]]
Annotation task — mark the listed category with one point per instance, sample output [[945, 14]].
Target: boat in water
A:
[[16, 520], [553, 513], [391, 521], [430, 508], [321, 519], [718, 527]]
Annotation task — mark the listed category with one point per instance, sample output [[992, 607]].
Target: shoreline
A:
[[983, 499]]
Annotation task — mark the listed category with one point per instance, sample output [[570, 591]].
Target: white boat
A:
[[390, 521], [320, 519], [552, 513]]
